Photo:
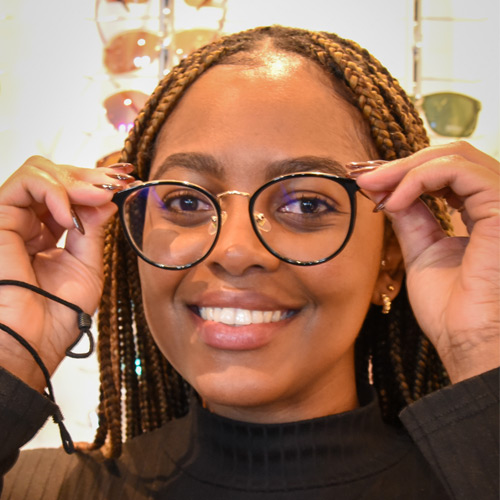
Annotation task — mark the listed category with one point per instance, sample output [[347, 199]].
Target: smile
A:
[[240, 317]]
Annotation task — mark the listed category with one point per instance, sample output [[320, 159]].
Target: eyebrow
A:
[[305, 164], [196, 162], [207, 164]]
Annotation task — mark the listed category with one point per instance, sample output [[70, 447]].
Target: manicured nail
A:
[[76, 221], [354, 174], [381, 204], [121, 177], [108, 187], [363, 164], [128, 167]]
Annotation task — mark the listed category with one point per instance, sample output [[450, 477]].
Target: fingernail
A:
[[362, 164], [108, 187], [76, 221], [381, 204], [354, 174], [122, 166], [121, 177]]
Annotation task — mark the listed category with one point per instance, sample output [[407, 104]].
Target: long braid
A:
[[110, 371], [404, 364], [129, 362]]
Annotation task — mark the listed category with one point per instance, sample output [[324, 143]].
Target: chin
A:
[[237, 390]]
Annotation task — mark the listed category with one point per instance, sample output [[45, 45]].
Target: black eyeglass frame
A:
[[349, 185]]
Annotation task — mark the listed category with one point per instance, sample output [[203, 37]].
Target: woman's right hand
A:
[[37, 205]]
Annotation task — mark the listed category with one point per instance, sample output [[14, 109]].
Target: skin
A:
[[246, 118]]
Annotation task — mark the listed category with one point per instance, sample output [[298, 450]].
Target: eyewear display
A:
[[303, 219], [450, 114], [122, 108], [131, 50]]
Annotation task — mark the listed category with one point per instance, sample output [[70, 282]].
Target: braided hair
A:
[[139, 389]]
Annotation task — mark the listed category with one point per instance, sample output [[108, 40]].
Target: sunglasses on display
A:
[[450, 114], [131, 50], [122, 108], [136, 42]]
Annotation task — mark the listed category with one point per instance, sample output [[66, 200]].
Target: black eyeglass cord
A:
[[84, 324]]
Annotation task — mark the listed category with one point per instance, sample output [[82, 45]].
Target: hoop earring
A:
[[386, 304]]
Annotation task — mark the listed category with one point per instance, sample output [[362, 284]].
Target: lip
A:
[[242, 337], [238, 338]]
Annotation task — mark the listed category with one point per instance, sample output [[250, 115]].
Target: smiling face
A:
[[236, 128]]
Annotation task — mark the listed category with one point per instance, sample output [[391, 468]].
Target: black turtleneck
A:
[[348, 455], [352, 455]]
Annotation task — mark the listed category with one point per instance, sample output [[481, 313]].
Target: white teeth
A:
[[243, 317], [268, 316], [238, 317]]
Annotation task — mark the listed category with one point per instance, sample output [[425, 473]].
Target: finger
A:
[[104, 176], [457, 179], [416, 230], [383, 176], [50, 190], [476, 186]]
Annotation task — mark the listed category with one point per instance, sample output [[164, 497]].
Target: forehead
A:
[[250, 115]]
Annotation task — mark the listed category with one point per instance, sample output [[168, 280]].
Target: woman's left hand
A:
[[453, 282]]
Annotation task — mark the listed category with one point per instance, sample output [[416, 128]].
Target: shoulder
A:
[[45, 474], [456, 429]]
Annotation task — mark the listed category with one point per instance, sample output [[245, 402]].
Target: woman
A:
[[274, 319]]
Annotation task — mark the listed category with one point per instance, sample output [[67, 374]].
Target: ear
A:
[[392, 270]]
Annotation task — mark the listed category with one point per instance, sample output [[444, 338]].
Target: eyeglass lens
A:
[[171, 225], [299, 219], [307, 218]]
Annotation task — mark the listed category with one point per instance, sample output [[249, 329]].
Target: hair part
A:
[[139, 389]]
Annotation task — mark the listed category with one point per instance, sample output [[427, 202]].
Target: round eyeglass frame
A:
[[349, 185]]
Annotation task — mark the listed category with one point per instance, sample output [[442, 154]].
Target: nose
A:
[[238, 250]]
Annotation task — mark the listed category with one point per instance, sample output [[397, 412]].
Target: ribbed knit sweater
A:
[[448, 448]]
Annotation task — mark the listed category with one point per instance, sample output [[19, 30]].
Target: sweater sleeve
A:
[[457, 430], [23, 411]]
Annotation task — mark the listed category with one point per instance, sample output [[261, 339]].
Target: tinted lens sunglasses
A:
[[450, 114]]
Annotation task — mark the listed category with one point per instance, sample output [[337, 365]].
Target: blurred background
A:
[[74, 74]]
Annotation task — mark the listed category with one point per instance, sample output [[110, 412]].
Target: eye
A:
[[307, 205], [185, 202]]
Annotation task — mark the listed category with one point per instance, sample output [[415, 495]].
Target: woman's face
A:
[[233, 127]]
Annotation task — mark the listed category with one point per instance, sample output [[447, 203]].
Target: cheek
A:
[[347, 282], [158, 296]]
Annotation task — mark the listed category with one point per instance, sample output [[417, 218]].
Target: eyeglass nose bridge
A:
[[260, 219]]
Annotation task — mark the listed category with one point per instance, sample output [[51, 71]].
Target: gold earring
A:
[[386, 304]]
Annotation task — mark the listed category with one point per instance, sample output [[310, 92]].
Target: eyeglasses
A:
[[303, 219], [131, 50], [122, 108], [450, 114]]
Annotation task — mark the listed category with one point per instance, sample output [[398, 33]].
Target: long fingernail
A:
[[354, 174], [362, 164], [121, 177], [122, 166], [108, 187], [76, 221], [381, 204]]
